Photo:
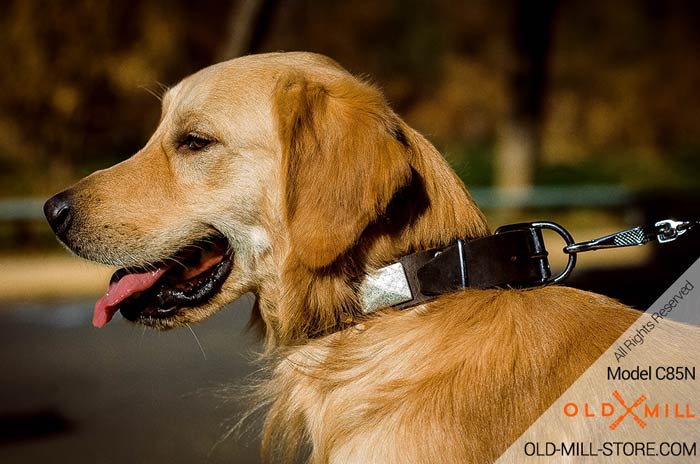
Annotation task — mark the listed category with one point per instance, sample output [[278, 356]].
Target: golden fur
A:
[[315, 182]]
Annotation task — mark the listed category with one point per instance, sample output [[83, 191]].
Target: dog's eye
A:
[[195, 142]]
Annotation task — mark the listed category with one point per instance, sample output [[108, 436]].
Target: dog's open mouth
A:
[[159, 291]]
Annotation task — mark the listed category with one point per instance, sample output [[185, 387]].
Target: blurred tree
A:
[[621, 94], [77, 79], [246, 26], [519, 141]]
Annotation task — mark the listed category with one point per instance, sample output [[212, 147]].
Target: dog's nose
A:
[[58, 212]]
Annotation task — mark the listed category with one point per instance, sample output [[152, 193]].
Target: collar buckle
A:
[[535, 230]]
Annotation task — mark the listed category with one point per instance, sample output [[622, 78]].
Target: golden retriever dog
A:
[[285, 176]]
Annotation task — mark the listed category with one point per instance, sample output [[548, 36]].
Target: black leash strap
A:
[[515, 256]]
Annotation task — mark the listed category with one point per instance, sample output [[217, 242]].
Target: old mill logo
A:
[[640, 411]]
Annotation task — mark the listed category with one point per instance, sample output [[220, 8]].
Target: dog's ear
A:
[[345, 155]]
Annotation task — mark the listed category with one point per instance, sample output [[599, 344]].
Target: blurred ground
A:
[[72, 393], [37, 276]]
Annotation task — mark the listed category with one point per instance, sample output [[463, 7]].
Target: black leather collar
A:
[[515, 256]]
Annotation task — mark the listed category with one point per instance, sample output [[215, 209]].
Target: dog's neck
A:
[[433, 211]]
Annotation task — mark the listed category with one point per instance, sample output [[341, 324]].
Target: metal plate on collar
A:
[[387, 286]]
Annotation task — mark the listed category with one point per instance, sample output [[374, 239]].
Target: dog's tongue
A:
[[118, 291]]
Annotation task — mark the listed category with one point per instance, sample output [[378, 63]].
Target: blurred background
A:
[[582, 112]]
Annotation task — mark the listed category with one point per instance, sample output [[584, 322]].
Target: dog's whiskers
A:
[[143, 334], [177, 262], [163, 88], [158, 95], [151, 92], [206, 241], [196, 339]]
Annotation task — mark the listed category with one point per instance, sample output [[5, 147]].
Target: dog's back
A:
[[456, 382]]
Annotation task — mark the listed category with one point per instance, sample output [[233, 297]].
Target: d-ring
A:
[[563, 233]]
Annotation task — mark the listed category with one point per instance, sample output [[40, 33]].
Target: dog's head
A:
[[279, 174]]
